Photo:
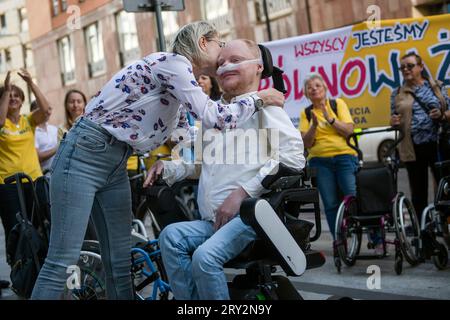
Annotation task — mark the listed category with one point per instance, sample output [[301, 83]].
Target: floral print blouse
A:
[[146, 101]]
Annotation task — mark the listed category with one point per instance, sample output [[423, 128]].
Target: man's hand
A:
[[272, 97], [230, 207], [155, 172], [395, 120]]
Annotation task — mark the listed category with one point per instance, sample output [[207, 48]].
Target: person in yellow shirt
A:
[[325, 137], [17, 146]]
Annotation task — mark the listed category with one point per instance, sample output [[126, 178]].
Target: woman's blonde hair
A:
[[186, 40], [313, 76]]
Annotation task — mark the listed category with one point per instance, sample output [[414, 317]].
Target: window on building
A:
[[170, 26], [128, 38], [2, 62], [3, 21], [218, 14], [67, 60], [28, 56], [23, 19], [55, 7], [275, 9], [5, 60], [7, 57], [96, 54], [64, 5]]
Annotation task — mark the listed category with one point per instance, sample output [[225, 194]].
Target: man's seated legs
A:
[[178, 241], [202, 276]]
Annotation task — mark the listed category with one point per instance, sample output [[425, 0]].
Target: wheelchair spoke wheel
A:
[[407, 229], [147, 217], [348, 233], [149, 276], [440, 260], [89, 280], [398, 266]]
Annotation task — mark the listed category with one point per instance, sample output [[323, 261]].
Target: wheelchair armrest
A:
[[284, 178], [184, 183], [153, 191], [264, 220]]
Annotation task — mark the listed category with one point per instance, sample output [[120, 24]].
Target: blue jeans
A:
[[89, 175], [335, 178], [194, 255]]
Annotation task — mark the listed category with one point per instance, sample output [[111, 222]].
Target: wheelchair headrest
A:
[[270, 70], [266, 57]]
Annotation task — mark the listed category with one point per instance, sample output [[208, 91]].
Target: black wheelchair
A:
[[435, 235], [284, 239], [377, 207]]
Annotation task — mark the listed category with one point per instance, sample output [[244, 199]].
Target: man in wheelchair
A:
[[194, 252]]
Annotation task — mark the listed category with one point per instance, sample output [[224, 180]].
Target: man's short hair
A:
[[253, 46]]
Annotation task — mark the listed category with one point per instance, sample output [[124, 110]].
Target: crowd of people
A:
[[138, 110]]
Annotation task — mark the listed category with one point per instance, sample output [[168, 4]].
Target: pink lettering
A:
[[351, 66]]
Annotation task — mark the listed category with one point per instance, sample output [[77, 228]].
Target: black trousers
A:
[[426, 156]]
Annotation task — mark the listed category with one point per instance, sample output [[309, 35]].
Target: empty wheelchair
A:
[[147, 271], [284, 239], [435, 237], [377, 208]]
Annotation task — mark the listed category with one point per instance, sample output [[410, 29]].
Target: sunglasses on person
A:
[[408, 66]]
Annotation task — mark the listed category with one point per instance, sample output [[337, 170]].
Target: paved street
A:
[[421, 282]]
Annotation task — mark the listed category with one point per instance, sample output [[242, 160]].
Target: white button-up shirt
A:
[[46, 139], [146, 101], [218, 180]]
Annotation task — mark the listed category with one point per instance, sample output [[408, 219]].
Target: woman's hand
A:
[[323, 108], [7, 84], [436, 114], [26, 76], [272, 97], [315, 122], [395, 120], [155, 172]]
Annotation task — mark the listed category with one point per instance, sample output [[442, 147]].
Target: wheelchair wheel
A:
[[440, 260], [338, 264], [149, 276], [90, 281], [407, 229], [398, 266], [147, 217], [348, 233]]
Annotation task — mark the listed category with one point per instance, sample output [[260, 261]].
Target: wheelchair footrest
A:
[[314, 259]]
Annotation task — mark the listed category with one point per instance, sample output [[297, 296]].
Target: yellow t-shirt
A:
[[328, 142], [17, 150], [132, 163]]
